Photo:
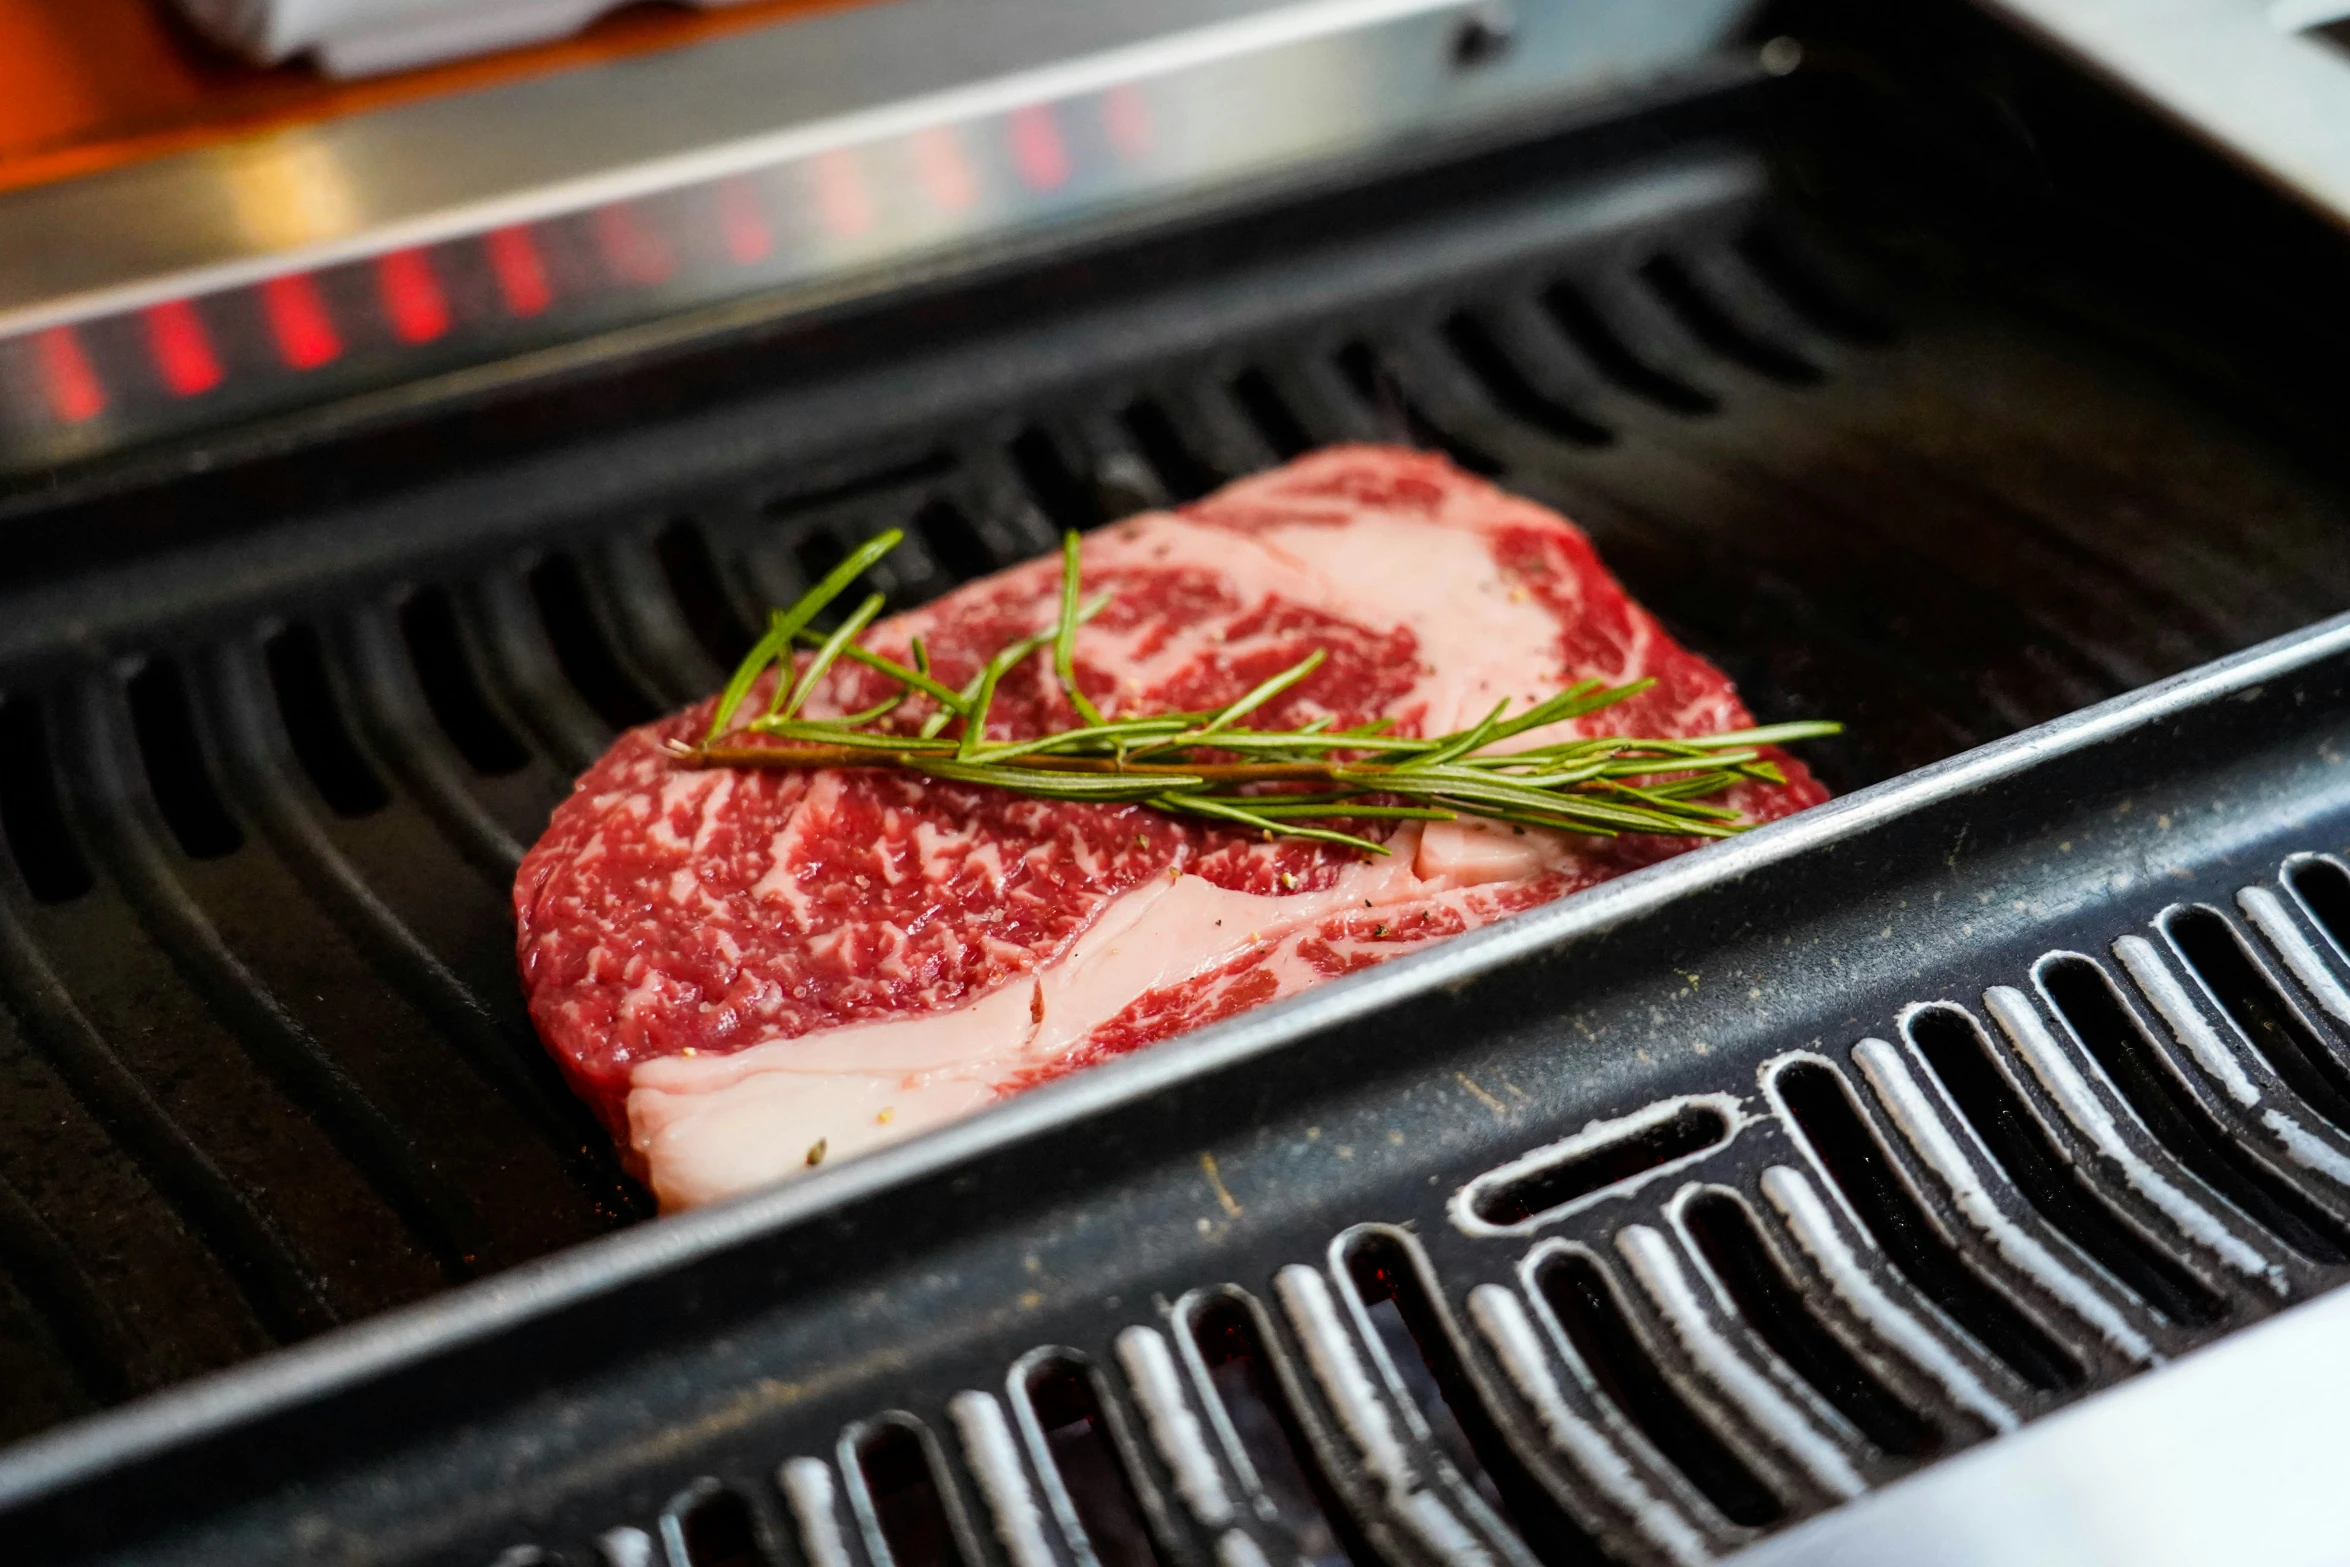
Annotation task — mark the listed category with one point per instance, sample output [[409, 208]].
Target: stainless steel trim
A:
[[770, 173], [2243, 75], [1266, 83]]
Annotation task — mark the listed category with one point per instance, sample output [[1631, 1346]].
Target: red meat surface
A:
[[745, 972]]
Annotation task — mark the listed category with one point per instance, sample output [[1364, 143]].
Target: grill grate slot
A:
[[1055, 487], [1732, 1244], [2324, 889], [428, 624], [1066, 1405], [1403, 1313], [1377, 384], [1269, 414], [712, 1526], [582, 650], [901, 1487], [314, 725], [914, 471], [1713, 325], [954, 540], [177, 771], [46, 855], [1258, 1419], [1186, 475], [2092, 1009], [1822, 1106], [2244, 991], [1960, 1054], [1779, 260], [1510, 388], [1635, 1146], [700, 592], [65, 1306], [1612, 357], [1587, 1308], [818, 550]]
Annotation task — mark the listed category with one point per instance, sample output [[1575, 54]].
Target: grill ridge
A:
[[419, 748], [2320, 884], [1950, 1047], [1600, 1339], [505, 1054], [99, 1352], [286, 1296], [1130, 1522], [448, 680], [505, 642], [40, 845], [1881, 1197], [314, 724], [1811, 1353], [118, 823], [2190, 1116]]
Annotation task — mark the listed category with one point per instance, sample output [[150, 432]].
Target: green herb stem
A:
[[1205, 764]]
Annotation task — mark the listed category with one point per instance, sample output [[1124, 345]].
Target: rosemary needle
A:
[[1206, 764]]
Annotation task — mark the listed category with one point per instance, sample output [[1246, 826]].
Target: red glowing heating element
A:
[[742, 224], [182, 348], [521, 275], [412, 298], [1037, 149], [842, 204], [1126, 115], [304, 332], [635, 251], [74, 393], [943, 169]]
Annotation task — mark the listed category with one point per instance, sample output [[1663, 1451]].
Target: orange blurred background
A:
[[88, 84]]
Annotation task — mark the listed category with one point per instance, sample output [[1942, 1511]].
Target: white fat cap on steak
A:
[[710, 1127]]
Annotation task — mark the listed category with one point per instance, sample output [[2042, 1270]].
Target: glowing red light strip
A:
[[742, 224], [634, 250], [943, 169], [305, 334], [412, 298], [521, 275], [182, 348], [72, 386], [843, 205], [1037, 149], [1126, 115]]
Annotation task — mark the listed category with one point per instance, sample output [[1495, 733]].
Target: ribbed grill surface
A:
[[1923, 1241], [266, 1069]]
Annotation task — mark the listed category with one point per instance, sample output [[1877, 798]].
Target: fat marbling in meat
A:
[[738, 967]]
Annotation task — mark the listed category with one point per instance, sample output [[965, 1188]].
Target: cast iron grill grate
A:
[[1874, 1261], [256, 993]]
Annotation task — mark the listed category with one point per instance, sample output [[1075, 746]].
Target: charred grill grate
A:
[[267, 1072]]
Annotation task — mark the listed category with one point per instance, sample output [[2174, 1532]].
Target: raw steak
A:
[[747, 972]]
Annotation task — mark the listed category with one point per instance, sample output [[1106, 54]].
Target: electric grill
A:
[[1901, 368]]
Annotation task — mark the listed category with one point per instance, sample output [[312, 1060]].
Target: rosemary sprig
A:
[[1207, 764]]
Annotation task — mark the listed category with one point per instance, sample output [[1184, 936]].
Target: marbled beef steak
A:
[[737, 966]]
